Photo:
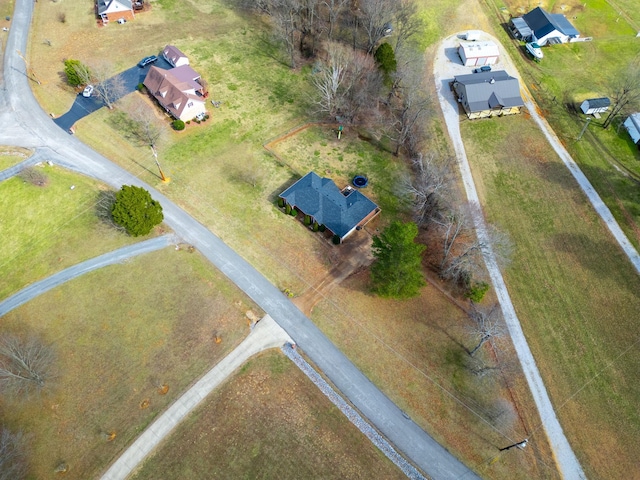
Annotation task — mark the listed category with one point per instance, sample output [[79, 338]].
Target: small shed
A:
[[478, 53], [632, 124], [595, 105]]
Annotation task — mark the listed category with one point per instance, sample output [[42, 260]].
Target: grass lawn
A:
[[209, 165], [268, 421], [575, 292], [119, 333], [574, 72], [47, 229], [10, 156]]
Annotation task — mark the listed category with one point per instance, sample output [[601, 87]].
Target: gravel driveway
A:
[[446, 65]]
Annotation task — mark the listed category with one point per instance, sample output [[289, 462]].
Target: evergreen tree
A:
[[397, 269], [386, 60], [136, 211]]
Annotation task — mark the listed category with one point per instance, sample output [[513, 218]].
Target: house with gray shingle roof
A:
[[543, 28], [488, 94], [340, 211]]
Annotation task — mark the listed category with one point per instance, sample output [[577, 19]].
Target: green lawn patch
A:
[[47, 229], [119, 334]]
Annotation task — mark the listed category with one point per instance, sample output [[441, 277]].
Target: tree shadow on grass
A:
[[589, 255]]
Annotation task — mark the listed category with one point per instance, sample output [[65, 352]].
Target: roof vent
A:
[[493, 80]]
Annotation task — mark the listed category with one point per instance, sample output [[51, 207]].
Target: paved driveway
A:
[[85, 106]]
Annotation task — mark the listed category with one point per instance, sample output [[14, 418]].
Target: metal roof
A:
[[542, 23], [598, 102], [488, 90], [522, 27], [480, 49]]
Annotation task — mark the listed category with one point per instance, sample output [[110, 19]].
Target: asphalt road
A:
[[116, 256], [83, 106], [28, 126]]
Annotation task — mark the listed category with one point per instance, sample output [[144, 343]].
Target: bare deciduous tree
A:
[[285, 17], [13, 465], [625, 92], [333, 10], [347, 82], [428, 188], [405, 23], [410, 102], [104, 207], [34, 176], [25, 365], [109, 88], [462, 248], [487, 325], [375, 17], [146, 127]]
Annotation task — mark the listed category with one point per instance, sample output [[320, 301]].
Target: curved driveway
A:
[[27, 126], [116, 256]]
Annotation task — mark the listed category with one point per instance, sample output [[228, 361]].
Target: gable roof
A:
[[632, 124], [323, 200], [108, 6], [480, 49], [542, 23], [598, 102], [172, 93], [489, 90], [172, 54]]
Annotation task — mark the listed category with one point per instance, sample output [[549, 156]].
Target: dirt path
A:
[[353, 255]]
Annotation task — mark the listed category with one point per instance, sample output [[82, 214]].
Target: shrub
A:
[[336, 239], [293, 212], [141, 87], [281, 202], [136, 211], [188, 122], [307, 220], [34, 176], [322, 227], [477, 291], [287, 209], [178, 124], [315, 226]]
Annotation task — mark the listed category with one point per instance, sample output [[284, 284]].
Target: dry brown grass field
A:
[[261, 100], [119, 334], [575, 292], [244, 429]]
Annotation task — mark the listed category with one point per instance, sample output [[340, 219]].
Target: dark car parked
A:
[[484, 68], [147, 61]]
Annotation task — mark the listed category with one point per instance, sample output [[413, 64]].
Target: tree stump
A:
[[163, 389], [144, 404]]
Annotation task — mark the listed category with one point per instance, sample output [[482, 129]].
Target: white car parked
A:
[[88, 91]]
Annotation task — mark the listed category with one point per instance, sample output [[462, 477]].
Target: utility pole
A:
[[26, 65], [584, 129], [155, 157], [519, 445]]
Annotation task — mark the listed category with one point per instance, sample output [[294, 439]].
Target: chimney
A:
[[493, 80]]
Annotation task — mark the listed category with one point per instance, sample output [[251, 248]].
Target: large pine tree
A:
[[136, 211]]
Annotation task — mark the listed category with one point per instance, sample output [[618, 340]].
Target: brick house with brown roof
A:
[[113, 10], [177, 91]]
